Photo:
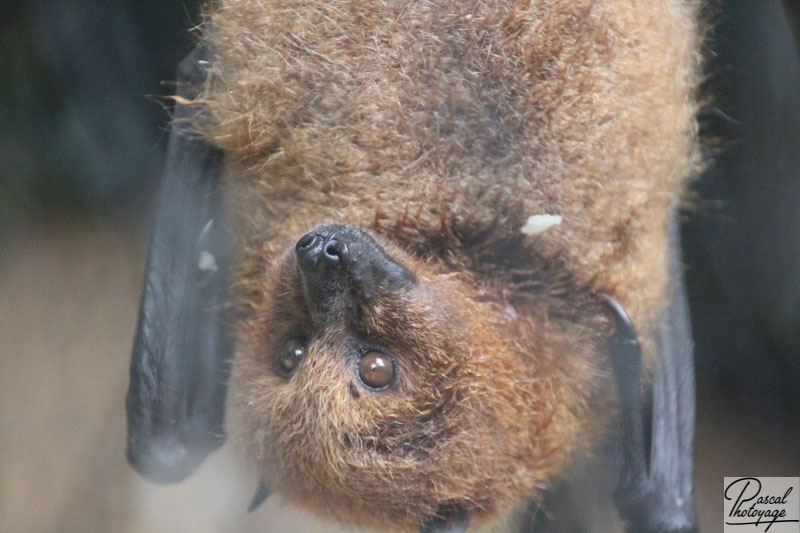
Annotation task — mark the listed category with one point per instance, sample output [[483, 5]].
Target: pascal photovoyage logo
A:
[[762, 504]]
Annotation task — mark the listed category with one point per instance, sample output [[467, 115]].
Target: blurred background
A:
[[82, 140]]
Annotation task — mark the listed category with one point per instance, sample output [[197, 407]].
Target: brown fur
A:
[[440, 127]]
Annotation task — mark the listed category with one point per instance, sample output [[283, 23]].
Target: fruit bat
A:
[[435, 244]]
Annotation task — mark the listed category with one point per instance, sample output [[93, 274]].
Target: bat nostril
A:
[[334, 252], [306, 241]]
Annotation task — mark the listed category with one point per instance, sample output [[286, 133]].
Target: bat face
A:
[[370, 374]]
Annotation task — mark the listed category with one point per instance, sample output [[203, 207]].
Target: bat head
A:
[[370, 374]]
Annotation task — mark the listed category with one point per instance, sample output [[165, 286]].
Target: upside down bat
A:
[[427, 230]]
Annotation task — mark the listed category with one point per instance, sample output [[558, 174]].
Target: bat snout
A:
[[321, 248], [338, 261]]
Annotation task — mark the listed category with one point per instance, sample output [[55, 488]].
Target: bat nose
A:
[[322, 247], [340, 264]]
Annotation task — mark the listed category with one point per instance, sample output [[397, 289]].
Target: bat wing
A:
[[655, 492], [180, 361]]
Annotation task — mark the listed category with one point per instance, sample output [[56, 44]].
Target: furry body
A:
[[439, 128]]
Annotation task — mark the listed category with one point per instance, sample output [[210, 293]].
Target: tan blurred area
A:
[[67, 312]]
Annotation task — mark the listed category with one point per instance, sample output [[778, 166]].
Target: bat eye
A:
[[293, 352], [376, 369]]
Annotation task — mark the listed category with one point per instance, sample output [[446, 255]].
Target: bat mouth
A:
[[341, 266]]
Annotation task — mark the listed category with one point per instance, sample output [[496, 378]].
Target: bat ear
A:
[[180, 361]]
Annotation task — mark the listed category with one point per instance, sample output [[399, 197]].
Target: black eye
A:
[[292, 353], [376, 369]]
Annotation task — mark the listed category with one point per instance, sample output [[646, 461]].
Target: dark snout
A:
[[341, 264], [322, 249]]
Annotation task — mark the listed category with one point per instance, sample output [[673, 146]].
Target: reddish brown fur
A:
[[440, 127]]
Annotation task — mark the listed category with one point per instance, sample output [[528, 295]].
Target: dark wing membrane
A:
[[180, 361], [792, 8], [672, 448], [655, 493]]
